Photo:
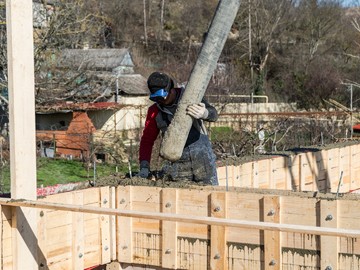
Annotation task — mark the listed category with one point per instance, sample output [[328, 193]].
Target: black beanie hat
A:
[[158, 80]]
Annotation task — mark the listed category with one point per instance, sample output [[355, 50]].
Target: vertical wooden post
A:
[[105, 225], [124, 226], [326, 186], [169, 229], [329, 245], [255, 175], [342, 170], [113, 239], [296, 173], [2, 240], [218, 249], [272, 241], [288, 176], [271, 173], [22, 129], [78, 233], [351, 168], [302, 172]]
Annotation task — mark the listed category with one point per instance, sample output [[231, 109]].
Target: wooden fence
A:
[[328, 170], [199, 228]]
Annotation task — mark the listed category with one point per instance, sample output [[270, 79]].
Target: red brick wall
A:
[[75, 140]]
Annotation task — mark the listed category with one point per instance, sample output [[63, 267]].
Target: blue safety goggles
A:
[[159, 95]]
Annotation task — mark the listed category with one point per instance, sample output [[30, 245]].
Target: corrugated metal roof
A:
[[69, 107], [133, 84], [96, 58]]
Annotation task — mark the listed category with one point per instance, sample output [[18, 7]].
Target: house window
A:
[[100, 156]]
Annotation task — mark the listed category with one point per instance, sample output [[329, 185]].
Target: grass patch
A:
[[4, 179], [60, 171], [221, 133]]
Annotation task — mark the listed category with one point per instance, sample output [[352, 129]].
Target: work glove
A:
[[198, 111], [144, 169]]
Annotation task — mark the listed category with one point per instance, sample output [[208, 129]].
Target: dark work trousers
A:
[[197, 163]]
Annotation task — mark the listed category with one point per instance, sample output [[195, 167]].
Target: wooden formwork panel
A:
[[328, 170], [308, 171], [6, 238], [294, 172], [69, 240], [246, 174], [333, 170], [77, 240], [187, 257], [345, 169], [242, 246], [349, 261], [298, 259], [243, 256], [321, 174], [355, 168], [279, 173], [261, 173]]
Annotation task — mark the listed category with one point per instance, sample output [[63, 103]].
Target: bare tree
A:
[[162, 14], [145, 24], [269, 20], [70, 24]]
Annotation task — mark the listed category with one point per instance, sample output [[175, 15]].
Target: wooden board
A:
[[272, 240], [169, 245], [329, 245]]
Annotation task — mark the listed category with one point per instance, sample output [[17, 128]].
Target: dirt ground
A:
[[123, 180], [137, 181]]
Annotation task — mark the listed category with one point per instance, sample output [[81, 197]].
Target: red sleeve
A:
[[149, 135]]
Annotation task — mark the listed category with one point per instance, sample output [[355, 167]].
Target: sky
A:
[[347, 3]]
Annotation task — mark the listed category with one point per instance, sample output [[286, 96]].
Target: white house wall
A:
[[133, 116], [126, 119], [255, 107], [100, 118], [129, 117], [135, 101]]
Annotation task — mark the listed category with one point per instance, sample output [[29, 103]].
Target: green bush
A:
[[220, 133]]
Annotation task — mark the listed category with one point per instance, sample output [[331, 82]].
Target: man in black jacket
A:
[[197, 162]]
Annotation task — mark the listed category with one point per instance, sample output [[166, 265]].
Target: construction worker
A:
[[197, 162]]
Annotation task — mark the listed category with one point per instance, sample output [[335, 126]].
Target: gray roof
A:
[[106, 59], [104, 84], [48, 2], [133, 84]]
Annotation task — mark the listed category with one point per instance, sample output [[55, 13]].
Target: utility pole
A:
[[250, 46], [351, 111]]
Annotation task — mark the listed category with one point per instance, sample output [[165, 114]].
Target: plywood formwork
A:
[[327, 170], [207, 228]]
